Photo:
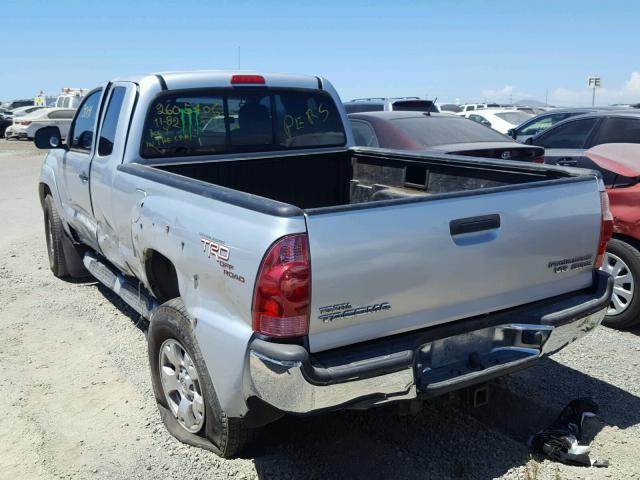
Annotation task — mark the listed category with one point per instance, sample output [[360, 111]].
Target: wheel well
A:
[[162, 276], [43, 190], [627, 239]]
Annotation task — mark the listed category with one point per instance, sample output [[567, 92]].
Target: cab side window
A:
[[84, 124], [542, 124]]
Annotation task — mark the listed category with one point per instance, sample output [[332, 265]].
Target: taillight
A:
[[606, 228], [538, 160], [25, 123], [281, 302], [247, 79]]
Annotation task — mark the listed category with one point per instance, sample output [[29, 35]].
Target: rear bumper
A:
[[425, 363]]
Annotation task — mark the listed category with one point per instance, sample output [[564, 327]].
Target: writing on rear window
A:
[[227, 122]]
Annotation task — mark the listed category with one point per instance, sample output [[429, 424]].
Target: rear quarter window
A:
[[240, 120]]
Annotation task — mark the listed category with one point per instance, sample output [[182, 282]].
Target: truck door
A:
[[77, 168], [119, 100]]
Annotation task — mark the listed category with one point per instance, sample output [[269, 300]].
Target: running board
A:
[[135, 296]]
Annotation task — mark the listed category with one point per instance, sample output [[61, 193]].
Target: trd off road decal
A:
[[218, 251]]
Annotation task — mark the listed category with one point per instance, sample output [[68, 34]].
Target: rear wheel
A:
[[188, 402], [622, 261], [54, 233]]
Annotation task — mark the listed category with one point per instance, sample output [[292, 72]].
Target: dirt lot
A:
[[77, 399]]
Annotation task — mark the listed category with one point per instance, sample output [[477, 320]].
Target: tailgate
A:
[[384, 270]]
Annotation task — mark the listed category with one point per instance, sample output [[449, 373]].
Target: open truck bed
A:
[[436, 239]]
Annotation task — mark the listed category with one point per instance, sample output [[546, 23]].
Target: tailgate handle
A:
[[474, 224]]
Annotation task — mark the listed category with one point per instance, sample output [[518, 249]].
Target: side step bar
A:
[[134, 295]]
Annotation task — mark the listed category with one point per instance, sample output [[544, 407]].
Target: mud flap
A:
[[72, 258]]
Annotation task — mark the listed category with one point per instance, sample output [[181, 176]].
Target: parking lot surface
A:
[[78, 402]]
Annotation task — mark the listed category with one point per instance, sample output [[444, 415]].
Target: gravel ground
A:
[[78, 403]]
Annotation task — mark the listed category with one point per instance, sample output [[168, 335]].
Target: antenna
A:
[[239, 57]]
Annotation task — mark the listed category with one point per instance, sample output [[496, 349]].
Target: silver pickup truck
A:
[[284, 271]]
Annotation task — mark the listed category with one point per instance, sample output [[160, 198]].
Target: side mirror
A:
[[529, 141], [48, 137], [512, 132]]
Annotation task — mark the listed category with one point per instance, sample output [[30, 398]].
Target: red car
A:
[[623, 252]]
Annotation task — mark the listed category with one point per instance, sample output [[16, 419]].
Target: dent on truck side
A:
[[216, 249]]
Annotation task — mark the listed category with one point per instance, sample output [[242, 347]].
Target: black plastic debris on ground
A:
[[559, 441]]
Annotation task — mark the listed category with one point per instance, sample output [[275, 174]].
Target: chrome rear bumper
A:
[[428, 363]]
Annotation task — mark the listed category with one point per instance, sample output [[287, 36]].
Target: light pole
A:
[[594, 82]]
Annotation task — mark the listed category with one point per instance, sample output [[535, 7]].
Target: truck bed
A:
[[319, 180]]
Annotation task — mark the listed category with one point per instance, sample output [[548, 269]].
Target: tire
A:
[[54, 234], [170, 325], [623, 262]]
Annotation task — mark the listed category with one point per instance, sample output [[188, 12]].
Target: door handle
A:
[[474, 224], [83, 177], [568, 162]]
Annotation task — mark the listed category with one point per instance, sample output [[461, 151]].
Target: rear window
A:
[[515, 117], [431, 131], [241, 120], [363, 107], [450, 107], [415, 106]]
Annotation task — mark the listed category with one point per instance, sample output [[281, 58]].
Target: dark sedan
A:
[[566, 142], [6, 120], [441, 132]]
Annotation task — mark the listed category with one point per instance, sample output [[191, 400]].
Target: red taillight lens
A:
[[282, 293], [538, 160], [247, 79], [606, 229], [25, 123]]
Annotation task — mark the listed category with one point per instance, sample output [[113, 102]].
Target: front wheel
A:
[[54, 234], [622, 261], [184, 392]]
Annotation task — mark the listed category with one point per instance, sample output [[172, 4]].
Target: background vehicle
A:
[[26, 126], [470, 107], [566, 142], [439, 133], [501, 120], [20, 103], [22, 111], [413, 104], [535, 125], [622, 161], [449, 108], [70, 97], [6, 119], [284, 271], [530, 110]]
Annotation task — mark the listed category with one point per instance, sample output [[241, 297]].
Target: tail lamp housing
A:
[[281, 303], [606, 228]]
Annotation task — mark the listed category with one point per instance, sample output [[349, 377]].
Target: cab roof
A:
[[222, 78]]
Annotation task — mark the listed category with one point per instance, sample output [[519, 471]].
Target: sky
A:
[[465, 50]]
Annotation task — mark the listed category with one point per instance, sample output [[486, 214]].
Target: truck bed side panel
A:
[[216, 248]]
